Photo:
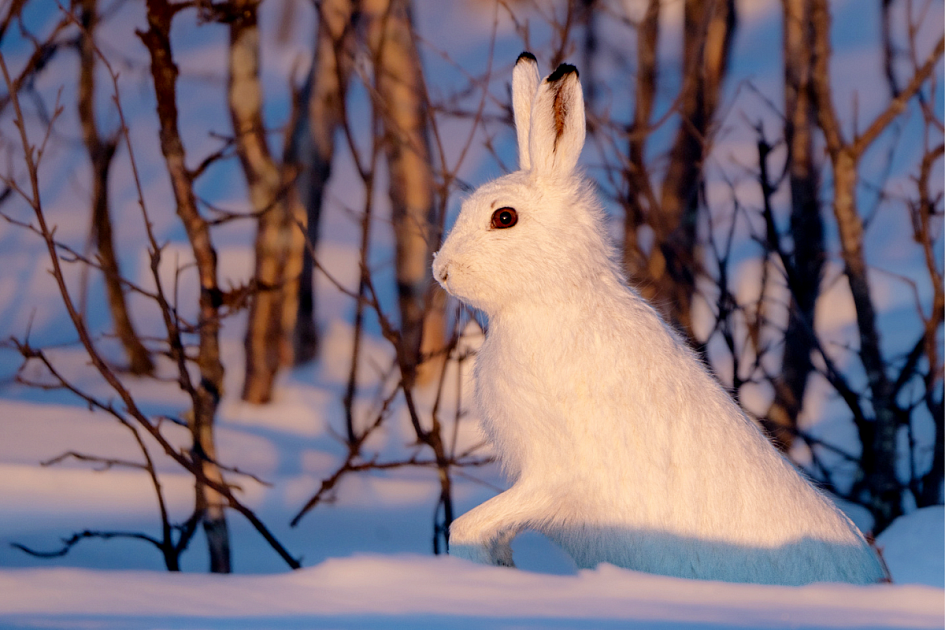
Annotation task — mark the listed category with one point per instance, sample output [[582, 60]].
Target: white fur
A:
[[620, 445], [524, 85]]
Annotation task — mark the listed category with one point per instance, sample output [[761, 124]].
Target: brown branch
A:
[[43, 53], [898, 104], [107, 462], [72, 541]]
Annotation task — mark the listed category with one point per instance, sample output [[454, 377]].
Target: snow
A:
[[410, 591], [914, 547], [366, 555]]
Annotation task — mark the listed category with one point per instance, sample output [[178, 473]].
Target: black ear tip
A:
[[562, 71], [526, 56]]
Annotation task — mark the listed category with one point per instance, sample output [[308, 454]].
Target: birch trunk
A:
[[321, 113], [279, 242], [101, 153], [641, 202], [401, 91], [807, 228], [708, 29], [206, 396], [878, 435]]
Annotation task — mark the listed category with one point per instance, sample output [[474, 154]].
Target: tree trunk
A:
[[321, 112], [101, 153], [924, 211], [709, 26], [589, 13], [401, 95], [640, 201], [206, 396], [889, 52], [807, 228], [878, 437], [279, 242]]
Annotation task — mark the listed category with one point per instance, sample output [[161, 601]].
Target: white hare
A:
[[620, 445]]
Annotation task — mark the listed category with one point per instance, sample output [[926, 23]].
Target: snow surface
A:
[[409, 591], [367, 555], [914, 546]]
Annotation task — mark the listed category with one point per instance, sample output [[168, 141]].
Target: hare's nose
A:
[[440, 269]]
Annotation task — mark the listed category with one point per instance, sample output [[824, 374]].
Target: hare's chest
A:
[[513, 375], [520, 411]]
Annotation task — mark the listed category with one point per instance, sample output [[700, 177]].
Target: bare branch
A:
[[69, 543]]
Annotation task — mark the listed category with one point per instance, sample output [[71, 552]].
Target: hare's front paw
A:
[[483, 554], [470, 544], [471, 551]]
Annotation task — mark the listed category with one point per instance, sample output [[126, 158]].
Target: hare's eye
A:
[[504, 218]]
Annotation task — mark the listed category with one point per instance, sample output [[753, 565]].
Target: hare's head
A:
[[535, 236]]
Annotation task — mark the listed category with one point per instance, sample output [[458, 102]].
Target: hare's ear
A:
[[524, 87], [558, 126]]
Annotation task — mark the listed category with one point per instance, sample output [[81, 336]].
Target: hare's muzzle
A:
[[440, 270]]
